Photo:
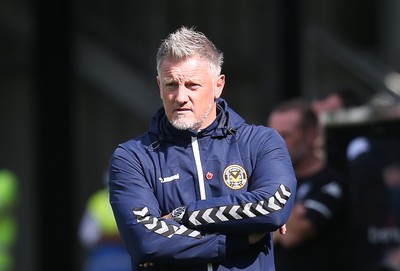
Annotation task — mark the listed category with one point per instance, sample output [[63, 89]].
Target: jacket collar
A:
[[226, 123]]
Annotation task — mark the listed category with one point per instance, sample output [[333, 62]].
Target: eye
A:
[[171, 85], [192, 86]]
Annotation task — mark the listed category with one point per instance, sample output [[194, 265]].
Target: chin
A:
[[181, 125], [184, 125]]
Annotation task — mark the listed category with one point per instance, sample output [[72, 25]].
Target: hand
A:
[[278, 237], [282, 230], [301, 228], [148, 264], [255, 237], [145, 265]]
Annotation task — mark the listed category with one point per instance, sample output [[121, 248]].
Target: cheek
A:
[[206, 98], [166, 97], [292, 142], [204, 103], [289, 144], [167, 101]]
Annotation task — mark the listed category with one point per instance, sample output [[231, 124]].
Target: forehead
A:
[[184, 68], [332, 102]]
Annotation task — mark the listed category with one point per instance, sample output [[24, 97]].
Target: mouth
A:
[[182, 110]]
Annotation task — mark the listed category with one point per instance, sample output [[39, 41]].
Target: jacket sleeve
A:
[[151, 238], [267, 203]]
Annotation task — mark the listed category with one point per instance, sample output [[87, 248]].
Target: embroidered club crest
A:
[[235, 177]]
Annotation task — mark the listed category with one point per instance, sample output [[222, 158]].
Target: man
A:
[[315, 226], [201, 190], [335, 100]]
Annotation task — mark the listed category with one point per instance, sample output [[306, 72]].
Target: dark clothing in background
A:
[[323, 195]]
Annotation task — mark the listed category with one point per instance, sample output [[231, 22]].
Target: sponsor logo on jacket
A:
[[169, 178], [235, 177]]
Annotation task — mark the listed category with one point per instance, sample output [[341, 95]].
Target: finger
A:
[[283, 229], [147, 264], [168, 216]]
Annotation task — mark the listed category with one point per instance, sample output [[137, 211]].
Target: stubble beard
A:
[[181, 123]]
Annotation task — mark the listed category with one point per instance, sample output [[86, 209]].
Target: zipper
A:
[[200, 175]]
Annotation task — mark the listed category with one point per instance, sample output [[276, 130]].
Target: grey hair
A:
[[187, 42]]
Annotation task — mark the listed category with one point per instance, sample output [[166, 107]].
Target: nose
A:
[[181, 94]]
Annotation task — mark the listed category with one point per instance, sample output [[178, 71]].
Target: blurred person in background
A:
[[337, 99], [314, 240], [8, 221], [374, 183], [391, 178], [99, 234], [202, 189]]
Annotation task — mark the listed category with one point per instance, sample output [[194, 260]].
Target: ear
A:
[[314, 133], [158, 80], [159, 88], [219, 86]]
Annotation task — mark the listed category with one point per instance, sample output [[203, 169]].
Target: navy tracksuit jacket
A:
[[234, 178]]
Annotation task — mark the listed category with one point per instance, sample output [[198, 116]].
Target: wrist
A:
[[178, 213]]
